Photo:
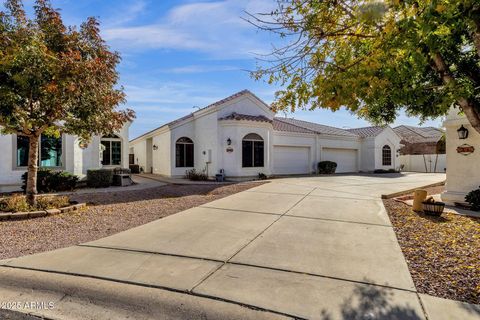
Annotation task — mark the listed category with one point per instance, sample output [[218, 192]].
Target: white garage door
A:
[[291, 160], [346, 159]]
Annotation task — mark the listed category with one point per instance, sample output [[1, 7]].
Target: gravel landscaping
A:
[[443, 253], [107, 214]]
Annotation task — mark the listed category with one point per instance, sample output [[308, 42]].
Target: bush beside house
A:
[[194, 175], [473, 198], [52, 181], [99, 178], [327, 167]]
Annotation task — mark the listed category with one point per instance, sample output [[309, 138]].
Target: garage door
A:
[[291, 160], [346, 159]]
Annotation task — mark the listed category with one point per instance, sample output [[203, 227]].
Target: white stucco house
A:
[[65, 153], [463, 158], [241, 135]]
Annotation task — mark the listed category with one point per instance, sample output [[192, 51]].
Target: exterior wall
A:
[[206, 144], [367, 154], [161, 158], [9, 178], [390, 138], [245, 105], [423, 163], [75, 159], [140, 153], [463, 173], [231, 162]]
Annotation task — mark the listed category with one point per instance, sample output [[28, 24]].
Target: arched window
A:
[[111, 150], [252, 151], [386, 156], [184, 153]]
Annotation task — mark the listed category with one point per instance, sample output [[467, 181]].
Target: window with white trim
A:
[[111, 150], [252, 151], [386, 156], [184, 153], [50, 152]]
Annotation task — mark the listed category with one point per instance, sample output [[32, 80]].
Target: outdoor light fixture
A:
[[462, 132], [229, 141], [155, 147]]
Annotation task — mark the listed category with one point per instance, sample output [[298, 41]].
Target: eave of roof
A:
[[191, 115]]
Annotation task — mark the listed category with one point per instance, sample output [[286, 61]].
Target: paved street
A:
[[313, 247]]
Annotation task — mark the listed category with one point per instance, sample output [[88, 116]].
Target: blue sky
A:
[[181, 54]]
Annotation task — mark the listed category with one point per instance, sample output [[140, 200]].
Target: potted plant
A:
[[432, 207]]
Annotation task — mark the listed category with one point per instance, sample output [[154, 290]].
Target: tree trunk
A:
[[469, 107], [31, 189]]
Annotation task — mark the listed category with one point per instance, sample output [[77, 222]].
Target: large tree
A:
[[55, 79], [375, 57]]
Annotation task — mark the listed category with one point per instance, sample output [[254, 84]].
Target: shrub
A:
[[99, 178], [195, 176], [55, 202], [134, 168], [51, 181], [18, 203], [385, 171], [327, 167], [473, 198], [14, 203], [262, 176]]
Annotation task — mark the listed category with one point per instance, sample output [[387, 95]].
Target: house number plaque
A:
[[465, 149]]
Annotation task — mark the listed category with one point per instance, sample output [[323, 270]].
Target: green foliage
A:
[[327, 167], [52, 181], [99, 178], [375, 58], [193, 175], [473, 198], [56, 79]]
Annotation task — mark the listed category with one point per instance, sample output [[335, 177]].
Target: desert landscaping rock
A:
[[108, 214]]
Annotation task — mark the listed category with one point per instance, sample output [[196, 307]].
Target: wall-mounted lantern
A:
[[462, 132], [155, 147], [229, 141]]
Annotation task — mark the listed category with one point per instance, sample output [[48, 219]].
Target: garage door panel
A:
[[291, 160], [346, 159]]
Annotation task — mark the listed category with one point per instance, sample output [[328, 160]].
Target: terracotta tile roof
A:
[[279, 125], [315, 127], [412, 134], [367, 131], [247, 117]]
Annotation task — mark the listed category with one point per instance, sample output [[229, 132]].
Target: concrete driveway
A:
[[317, 247]]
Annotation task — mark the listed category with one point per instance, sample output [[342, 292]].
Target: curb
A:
[[400, 193], [87, 298], [40, 213]]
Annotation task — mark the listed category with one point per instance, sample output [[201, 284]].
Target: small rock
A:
[[53, 211]]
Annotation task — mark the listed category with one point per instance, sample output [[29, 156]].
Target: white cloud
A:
[[174, 93], [215, 28], [126, 13]]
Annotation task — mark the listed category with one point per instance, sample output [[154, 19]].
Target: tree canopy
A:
[[56, 79], [375, 57]]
